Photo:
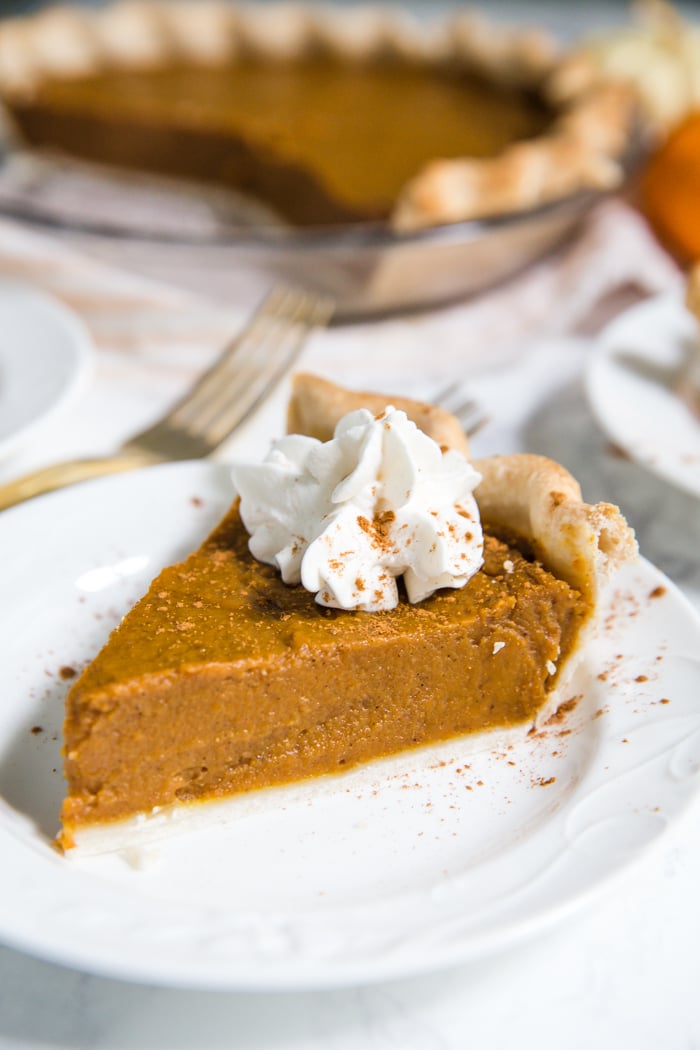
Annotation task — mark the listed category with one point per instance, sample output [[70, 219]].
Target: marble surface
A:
[[622, 974]]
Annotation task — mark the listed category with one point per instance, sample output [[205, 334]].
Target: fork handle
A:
[[59, 475]]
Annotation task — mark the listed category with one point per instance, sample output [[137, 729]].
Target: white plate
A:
[[45, 355], [640, 414], [385, 871]]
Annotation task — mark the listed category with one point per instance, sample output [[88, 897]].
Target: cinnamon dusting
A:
[[378, 529]]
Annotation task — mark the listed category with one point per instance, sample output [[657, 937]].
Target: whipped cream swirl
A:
[[347, 517]]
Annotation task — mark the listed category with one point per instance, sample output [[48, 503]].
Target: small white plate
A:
[[639, 413], [45, 355], [393, 869]]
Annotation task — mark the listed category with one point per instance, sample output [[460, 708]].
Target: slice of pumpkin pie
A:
[[368, 592]]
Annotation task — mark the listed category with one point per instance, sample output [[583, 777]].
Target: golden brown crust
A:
[[69, 41], [529, 496], [539, 500], [581, 150], [316, 405]]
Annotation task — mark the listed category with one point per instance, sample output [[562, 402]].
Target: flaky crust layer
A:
[[529, 496], [581, 150], [316, 405]]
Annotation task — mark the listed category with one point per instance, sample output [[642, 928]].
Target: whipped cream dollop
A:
[[347, 517]]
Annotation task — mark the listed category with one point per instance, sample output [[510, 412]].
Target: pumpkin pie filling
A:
[[319, 140], [224, 679]]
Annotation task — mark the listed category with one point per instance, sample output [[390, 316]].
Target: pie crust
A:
[[582, 149], [316, 405]]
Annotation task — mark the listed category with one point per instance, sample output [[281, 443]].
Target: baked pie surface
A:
[[223, 679], [327, 115]]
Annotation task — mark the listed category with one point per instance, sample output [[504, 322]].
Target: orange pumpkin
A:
[[670, 190]]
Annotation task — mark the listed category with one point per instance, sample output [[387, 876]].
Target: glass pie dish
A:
[[407, 131], [232, 250]]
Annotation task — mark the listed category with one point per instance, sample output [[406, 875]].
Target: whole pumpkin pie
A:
[[327, 115], [224, 679]]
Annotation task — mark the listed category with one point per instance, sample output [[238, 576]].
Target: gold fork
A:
[[224, 396]]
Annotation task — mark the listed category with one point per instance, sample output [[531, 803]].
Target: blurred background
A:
[[566, 17]]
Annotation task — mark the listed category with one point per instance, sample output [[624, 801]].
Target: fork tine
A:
[[473, 422], [244, 343], [276, 354], [471, 416], [448, 393], [234, 365], [465, 408], [276, 335], [235, 384], [280, 307]]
